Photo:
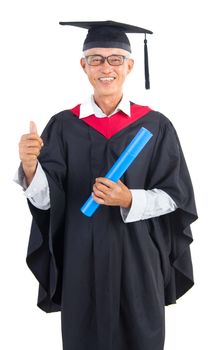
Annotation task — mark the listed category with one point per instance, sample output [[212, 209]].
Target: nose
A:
[[105, 66]]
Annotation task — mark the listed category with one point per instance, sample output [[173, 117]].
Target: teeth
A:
[[106, 79]]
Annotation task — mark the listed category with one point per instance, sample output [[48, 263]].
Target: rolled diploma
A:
[[120, 166]]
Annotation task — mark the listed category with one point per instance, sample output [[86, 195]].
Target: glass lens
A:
[[115, 60], [95, 60]]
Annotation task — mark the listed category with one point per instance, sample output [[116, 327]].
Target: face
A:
[[107, 80]]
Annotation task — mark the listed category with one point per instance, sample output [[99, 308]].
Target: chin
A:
[[108, 91]]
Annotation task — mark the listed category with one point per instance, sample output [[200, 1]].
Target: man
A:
[[112, 274]]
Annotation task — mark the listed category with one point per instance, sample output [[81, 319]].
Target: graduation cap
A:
[[110, 34]]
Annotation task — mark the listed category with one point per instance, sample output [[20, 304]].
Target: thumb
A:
[[33, 128], [121, 184]]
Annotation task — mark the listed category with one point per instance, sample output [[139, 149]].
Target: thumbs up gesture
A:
[[30, 147]]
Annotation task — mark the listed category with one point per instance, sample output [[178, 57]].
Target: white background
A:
[[40, 76]]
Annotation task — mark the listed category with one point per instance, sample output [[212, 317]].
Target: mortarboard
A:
[[112, 35]]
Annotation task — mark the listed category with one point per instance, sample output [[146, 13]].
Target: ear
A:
[[82, 63], [130, 64]]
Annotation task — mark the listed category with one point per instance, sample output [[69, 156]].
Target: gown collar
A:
[[89, 107]]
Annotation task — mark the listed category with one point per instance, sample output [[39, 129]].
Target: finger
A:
[[31, 143], [28, 156], [106, 182], [32, 137], [98, 199], [33, 151], [102, 188], [98, 193], [29, 149], [33, 128], [29, 137], [121, 184]]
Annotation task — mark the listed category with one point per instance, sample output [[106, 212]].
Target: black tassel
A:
[[146, 65]]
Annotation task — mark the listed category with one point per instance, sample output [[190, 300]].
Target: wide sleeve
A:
[[45, 248], [172, 232]]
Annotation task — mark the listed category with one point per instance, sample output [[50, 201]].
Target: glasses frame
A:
[[106, 58]]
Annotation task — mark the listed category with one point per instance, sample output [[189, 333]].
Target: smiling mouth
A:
[[108, 79]]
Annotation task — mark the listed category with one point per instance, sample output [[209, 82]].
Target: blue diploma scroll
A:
[[120, 166]]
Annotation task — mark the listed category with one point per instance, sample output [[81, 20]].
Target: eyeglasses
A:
[[113, 60]]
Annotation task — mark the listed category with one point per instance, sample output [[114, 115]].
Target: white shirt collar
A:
[[89, 107]]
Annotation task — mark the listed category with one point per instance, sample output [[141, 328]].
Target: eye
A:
[[95, 60], [115, 60]]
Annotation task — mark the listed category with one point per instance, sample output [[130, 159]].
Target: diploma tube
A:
[[120, 166]]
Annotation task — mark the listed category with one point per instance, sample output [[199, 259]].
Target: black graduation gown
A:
[[111, 280]]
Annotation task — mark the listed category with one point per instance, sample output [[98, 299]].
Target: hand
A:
[[29, 149], [111, 193]]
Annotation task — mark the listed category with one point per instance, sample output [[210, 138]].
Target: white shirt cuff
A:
[[134, 213], [38, 191], [148, 204]]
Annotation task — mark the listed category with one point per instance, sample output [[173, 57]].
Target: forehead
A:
[[106, 51]]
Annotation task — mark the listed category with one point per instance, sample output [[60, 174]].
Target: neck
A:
[[107, 103]]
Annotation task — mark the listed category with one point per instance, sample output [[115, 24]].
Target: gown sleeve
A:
[[45, 248], [172, 232]]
